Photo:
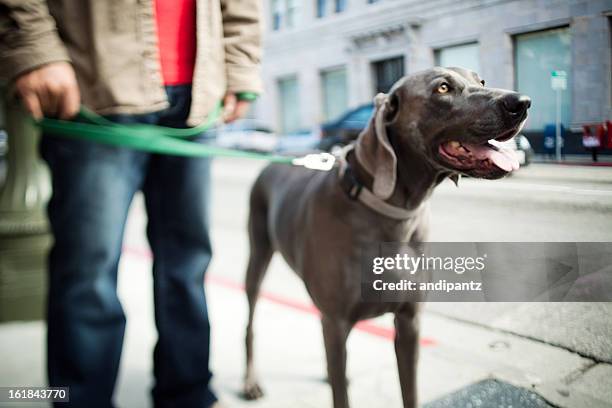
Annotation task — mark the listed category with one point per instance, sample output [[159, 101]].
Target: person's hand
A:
[[233, 108], [50, 90]]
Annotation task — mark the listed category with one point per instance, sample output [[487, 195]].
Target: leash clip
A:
[[316, 161]]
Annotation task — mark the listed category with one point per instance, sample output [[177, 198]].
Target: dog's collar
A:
[[355, 190]]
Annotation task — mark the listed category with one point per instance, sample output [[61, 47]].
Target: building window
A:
[[536, 56], [289, 103], [335, 95], [340, 6], [321, 8], [462, 56], [387, 72], [276, 14], [292, 13], [285, 14]]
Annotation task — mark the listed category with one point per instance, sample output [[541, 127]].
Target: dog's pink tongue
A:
[[505, 159]]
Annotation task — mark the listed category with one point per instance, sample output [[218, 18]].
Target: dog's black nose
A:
[[516, 103]]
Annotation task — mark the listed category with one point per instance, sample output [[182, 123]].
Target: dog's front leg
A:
[[407, 353], [335, 333]]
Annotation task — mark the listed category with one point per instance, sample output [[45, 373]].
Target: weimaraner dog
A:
[[434, 124]]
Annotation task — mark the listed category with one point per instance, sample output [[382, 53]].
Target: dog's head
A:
[[447, 118]]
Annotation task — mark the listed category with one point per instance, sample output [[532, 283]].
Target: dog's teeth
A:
[[495, 143], [454, 144]]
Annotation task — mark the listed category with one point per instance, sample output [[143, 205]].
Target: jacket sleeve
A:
[[242, 32], [28, 37]]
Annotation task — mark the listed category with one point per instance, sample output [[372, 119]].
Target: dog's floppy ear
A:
[[374, 151]]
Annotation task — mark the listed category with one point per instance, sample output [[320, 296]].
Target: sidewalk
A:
[[454, 354], [603, 160]]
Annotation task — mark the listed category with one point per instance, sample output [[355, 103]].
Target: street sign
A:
[[558, 80]]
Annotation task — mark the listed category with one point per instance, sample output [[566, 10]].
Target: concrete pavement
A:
[[560, 351]]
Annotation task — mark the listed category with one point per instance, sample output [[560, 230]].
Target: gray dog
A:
[[432, 125]]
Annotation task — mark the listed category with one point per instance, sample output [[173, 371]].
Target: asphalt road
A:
[[541, 202]]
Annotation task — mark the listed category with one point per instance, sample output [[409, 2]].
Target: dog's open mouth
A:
[[486, 160]]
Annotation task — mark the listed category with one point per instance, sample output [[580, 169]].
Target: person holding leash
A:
[[159, 62]]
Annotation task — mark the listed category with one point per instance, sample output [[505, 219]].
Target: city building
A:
[[325, 56]]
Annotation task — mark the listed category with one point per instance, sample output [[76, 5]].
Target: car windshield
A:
[[360, 115]]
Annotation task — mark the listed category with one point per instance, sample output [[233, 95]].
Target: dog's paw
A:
[[252, 391]]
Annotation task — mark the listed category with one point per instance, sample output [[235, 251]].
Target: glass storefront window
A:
[[292, 13], [536, 56], [289, 104], [462, 56], [387, 72], [335, 101]]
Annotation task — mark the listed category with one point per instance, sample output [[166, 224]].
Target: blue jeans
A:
[[93, 186]]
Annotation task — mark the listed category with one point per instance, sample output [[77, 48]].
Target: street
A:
[[562, 351]]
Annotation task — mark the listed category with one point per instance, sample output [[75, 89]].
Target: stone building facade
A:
[[326, 56]]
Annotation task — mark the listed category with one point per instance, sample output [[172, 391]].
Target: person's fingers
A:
[[229, 118], [240, 111], [229, 105], [32, 104], [53, 99], [70, 103], [50, 90], [242, 107], [46, 100]]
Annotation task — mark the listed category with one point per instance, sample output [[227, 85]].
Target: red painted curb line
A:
[[365, 326]]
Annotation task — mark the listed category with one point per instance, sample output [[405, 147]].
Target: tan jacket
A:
[[112, 45]]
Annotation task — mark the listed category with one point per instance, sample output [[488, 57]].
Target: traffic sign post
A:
[[558, 82]]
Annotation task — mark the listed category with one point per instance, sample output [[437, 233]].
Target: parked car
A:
[[347, 127], [245, 134], [298, 143]]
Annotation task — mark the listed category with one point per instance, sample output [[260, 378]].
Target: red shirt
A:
[[176, 31]]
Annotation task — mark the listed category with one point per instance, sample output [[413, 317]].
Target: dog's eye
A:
[[443, 88]]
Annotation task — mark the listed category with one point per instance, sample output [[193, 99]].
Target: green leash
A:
[[165, 140]]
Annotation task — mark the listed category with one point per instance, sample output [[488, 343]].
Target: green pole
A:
[[24, 230]]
